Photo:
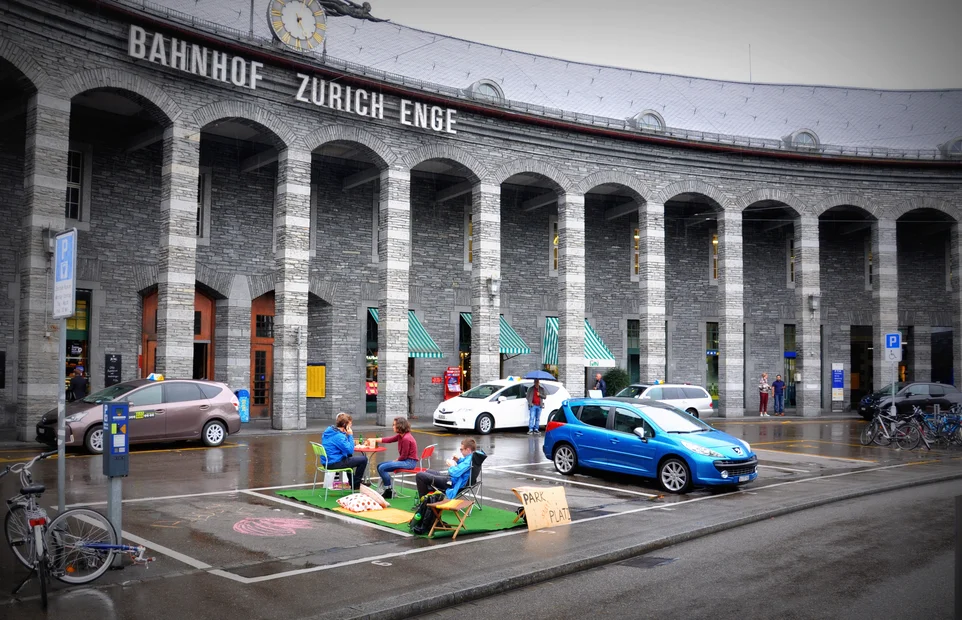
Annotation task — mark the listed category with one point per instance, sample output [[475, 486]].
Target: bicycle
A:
[[885, 428], [76, 547]]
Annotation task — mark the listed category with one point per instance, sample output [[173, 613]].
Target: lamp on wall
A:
[[494, 285], [813, 301]]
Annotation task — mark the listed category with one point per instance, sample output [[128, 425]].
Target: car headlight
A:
[[76, 417], [702, 450]]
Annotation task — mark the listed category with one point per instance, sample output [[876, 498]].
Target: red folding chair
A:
[[422, 466]]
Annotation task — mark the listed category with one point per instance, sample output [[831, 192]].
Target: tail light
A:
[[235, 402], [38, 522], [553, 424], [711, 404]]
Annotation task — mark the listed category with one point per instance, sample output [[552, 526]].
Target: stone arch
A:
[[845, 198], [616, 177], [693, 186], [346, 133], [528, 164], [122, 80], [440, 150], [261, 284], [225, 109], [323, 289], [144, 277], [217, 281], [926, 202], [770, 193], [25, 64]]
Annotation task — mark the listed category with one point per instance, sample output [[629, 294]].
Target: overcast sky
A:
[[891, 44]]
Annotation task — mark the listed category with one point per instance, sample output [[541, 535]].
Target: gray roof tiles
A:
[[838, 116]]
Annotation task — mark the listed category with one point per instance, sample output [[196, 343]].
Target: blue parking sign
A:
[[893, 341], [65, 264]]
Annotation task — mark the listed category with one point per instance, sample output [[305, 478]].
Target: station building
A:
[[333, 221]]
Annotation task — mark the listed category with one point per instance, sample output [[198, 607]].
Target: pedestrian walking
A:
[[78, 384], [778, 395], [763, 389], [536, 396]]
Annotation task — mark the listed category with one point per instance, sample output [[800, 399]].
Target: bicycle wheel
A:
[[43, 575], [868, 433], [907, 436], [75, 539], [19, 535]]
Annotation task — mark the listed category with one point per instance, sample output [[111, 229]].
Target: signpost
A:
[[838, 383], [64, 301], [893, 353]]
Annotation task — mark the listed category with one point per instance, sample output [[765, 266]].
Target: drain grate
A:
[[646, 561]]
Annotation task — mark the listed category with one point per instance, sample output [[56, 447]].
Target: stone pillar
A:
[[44, 184], [178, 252], [955, 250], [485, 266], [731, 316], [885, 298], [651, 279], [232, 339], [920, 366], [808, 355], [291, 259], [393, 274], [571, 294]]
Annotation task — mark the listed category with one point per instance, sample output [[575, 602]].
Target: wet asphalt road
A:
[[192, 506]]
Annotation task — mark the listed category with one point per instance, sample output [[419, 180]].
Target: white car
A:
[[497, 405], [691, 398]]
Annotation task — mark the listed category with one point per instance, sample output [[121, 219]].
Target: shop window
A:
[[790, 258], [202, 219], [78, 330], [634, 350], [553, 237], [711, 358], [788, 333], [77, 199], [468, 238], [198, 322], [635, 253], [713, 259]]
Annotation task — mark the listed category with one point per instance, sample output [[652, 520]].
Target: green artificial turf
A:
[[487, 519]]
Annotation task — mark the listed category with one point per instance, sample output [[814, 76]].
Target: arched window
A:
[[649, 119], [805, 140], [486, 89]]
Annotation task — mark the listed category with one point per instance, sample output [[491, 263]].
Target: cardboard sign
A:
[[543, 506]]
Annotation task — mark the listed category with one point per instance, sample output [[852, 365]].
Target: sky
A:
[[887, 44]]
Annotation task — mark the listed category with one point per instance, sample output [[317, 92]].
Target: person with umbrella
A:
[[536, 396]]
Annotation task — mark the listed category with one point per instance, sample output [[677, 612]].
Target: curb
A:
[[442, 601]]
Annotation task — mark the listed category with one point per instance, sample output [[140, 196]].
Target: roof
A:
[[847, 117]]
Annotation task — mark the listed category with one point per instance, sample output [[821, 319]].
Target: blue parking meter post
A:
[[243, 404], [116, 461]]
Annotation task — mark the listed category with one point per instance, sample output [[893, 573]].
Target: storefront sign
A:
[[436, 380], [838, 382], [113, 365], [237, 70]]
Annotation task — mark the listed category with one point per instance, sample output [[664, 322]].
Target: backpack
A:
[[424, 517]]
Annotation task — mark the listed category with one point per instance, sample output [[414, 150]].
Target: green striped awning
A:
[[420, 343], [596, 351], [511, 343]]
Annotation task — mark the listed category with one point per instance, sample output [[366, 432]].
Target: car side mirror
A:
[[640, 431], [501, 399]]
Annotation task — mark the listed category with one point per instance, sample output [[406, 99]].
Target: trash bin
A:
[[243, 404]]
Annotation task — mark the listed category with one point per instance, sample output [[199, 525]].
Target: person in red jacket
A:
[[407, 448]]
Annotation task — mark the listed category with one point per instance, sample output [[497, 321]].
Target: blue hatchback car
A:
[[648, 439]]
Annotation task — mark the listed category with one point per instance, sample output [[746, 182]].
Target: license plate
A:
[[743, 478], [441, 416]]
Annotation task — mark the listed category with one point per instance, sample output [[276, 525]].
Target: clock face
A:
[[299, 24]]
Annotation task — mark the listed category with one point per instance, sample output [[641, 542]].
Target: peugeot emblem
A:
[[737, 450]]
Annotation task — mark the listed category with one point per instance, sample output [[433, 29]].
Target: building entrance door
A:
[[262, 365]]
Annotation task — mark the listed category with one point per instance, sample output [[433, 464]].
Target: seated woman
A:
[[338, 442], [407, 449]]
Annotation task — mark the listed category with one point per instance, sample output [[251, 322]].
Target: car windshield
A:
[[632, 391], [482, 391], [109, 394], [673, 420], [887, 390]]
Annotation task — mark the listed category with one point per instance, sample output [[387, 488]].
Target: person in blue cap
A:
[[78, 384]]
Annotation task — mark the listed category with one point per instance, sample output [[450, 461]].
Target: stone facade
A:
[[283, 217]]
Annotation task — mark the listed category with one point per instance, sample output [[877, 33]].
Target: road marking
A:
[[503, 467], [803, 471], [188, 495], [180, 557], [759, 421], [328, 513], [569, 481], [816, 456], [132, 452]]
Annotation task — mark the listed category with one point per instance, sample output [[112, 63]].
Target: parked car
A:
[[691, 398], [159, 411], [496, 405], [907, 395], [646, 438]]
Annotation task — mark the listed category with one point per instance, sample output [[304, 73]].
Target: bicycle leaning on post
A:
[[76, 547]]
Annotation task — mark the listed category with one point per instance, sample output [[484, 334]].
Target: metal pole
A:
[[114, 507], [958, 557], [61, 425]]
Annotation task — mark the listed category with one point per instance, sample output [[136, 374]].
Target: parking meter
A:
[[116, 444]]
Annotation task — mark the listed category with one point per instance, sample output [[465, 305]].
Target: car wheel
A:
[[674, 475], [484, 424], [94, 441], [693, 412], [565, 459], [214, 433]]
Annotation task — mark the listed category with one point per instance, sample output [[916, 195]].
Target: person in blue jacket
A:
[[338, 442], [457, 476]]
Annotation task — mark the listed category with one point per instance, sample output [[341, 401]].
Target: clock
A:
[[298, 24]]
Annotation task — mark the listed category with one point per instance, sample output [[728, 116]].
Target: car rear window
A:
[[557, 416], [181, 392], [210, 391], [949, 389], [694, 392]]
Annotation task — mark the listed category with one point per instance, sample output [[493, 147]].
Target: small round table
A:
[[372, 460]]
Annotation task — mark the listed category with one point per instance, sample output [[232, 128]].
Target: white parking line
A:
[[801, 471], [189, 495], [180, 557], [570, 481]]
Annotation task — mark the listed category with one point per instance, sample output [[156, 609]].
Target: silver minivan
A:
[[691, 398]]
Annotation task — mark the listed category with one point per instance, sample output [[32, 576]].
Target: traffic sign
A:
[[64, 278], [893, 347]]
